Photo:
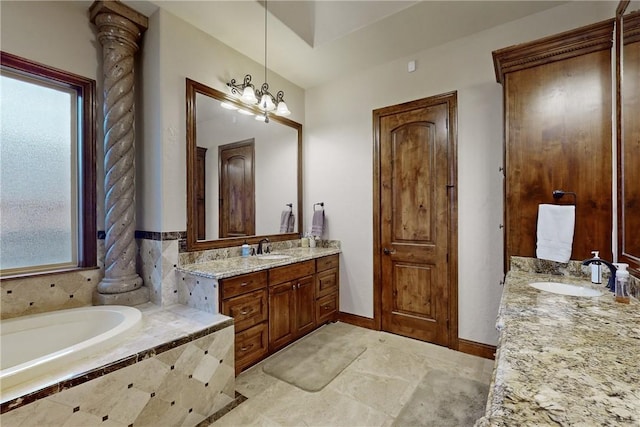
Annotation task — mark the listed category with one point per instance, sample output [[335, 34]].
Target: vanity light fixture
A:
[[250, 95]]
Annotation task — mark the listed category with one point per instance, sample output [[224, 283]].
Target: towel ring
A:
[[290, 205], [321, 204]]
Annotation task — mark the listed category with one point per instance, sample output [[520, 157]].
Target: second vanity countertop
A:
[[234, 266], [564, 360]]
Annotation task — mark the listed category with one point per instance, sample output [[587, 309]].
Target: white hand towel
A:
[[292, 223], [284, 220], [317, 223], [556, 224]]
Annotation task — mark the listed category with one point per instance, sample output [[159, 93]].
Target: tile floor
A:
[[371, 391]]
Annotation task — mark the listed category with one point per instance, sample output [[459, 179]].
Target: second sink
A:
[[566, 289]]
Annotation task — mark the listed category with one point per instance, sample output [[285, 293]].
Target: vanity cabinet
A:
[[327, 284], [274, 307], [245, 298], [291, 303]]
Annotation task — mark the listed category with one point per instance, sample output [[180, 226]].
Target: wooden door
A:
[[417, 218], [237, 190], [281, 321], [304, 305], [201, 194]]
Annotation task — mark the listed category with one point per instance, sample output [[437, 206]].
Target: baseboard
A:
[[354, 319], [477, 349]]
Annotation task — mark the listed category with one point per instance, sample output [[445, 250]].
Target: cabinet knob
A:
[[298, 285], [388, 251], [245, 348]]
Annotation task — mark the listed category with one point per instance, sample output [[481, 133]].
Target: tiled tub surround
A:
[[177, 369], [198, 283], [564, 360]]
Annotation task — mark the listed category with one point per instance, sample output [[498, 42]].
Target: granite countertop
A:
[[564, 360], [233, 266]]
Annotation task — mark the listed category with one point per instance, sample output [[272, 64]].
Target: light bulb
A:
[[266, 103], [282, 109], [249, 96]]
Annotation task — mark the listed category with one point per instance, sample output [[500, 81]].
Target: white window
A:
[[43, 181]]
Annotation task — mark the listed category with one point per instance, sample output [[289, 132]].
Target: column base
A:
[[130, 298]]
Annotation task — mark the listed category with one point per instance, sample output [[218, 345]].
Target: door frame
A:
[[451, 99]]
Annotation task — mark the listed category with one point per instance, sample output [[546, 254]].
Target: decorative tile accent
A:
[[197, 292], [42, 293], [148, 392]]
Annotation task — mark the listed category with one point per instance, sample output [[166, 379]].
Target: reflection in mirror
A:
[[629, 133], [242, 173]]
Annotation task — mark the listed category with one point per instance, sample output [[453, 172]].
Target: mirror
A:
[[628, 132], [242, 174]]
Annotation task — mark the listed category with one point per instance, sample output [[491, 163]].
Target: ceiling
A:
[[312, 42]]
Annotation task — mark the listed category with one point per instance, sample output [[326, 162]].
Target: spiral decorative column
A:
[[119, 29]]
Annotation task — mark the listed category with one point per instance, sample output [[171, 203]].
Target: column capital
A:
[[118, 8]]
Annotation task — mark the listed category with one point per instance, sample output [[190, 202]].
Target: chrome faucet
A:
[[612, 277], [259, 251]]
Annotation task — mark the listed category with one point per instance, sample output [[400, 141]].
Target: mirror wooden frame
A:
[[193, 244], [620, 34]]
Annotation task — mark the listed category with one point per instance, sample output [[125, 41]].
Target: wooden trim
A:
[[193, 244], [451, 99], [477, 349], [580, 41], [627, 31], [354, 319], [86, 90]]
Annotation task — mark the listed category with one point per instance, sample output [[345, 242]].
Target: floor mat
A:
[[315, 360], [443, 399]]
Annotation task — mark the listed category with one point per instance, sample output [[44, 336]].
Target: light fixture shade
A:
[[266, 103], [282, 109], [249, 96]]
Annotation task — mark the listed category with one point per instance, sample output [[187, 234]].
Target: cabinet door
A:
[[304, 305], [281, 321]]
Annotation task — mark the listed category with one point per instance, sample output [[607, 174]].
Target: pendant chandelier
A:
[[261, 98]]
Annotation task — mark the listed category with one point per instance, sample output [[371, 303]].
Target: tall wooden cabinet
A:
[[558, 136]]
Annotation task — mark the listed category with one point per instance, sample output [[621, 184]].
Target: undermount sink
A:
[[273, 256], [566, 289]]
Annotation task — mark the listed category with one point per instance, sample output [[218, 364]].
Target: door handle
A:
[[388, 251]]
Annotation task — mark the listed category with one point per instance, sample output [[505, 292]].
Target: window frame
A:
[[86, 186]]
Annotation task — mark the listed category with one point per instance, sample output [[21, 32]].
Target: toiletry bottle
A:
[[312, 242], [596, 269], [245, 249], [622, 283], [304, 242]]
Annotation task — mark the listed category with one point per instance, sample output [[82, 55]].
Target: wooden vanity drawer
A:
[[247, 310], [327, 262], [326, 308], [239, 285], [326, 282], [291, 272], [251, 345]]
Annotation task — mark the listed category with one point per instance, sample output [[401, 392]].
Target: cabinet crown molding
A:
[[558, 47]]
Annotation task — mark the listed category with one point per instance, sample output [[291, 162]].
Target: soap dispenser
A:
[[596, 269], [245, 249], [622, 283]]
